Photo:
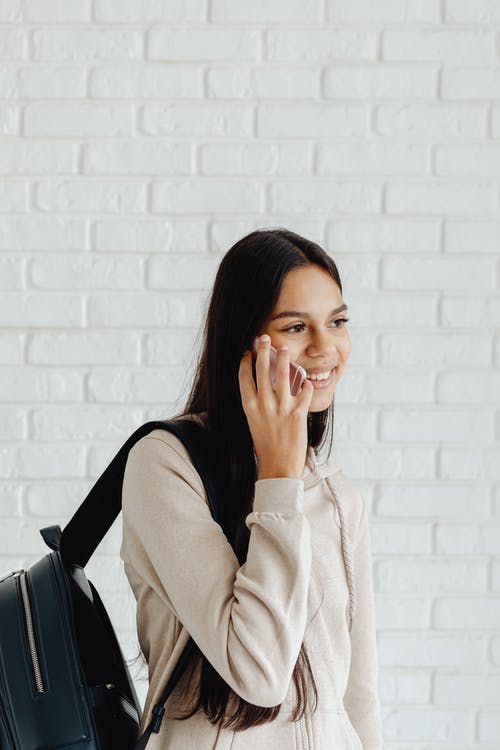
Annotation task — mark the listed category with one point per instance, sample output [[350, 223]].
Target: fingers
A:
[[304, 398], [245, 377], [283, 373], [262, 368], [250, 390]]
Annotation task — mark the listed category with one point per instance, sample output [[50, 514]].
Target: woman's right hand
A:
[[277, 420]]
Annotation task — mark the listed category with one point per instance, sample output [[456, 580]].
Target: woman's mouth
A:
[[323, 382]]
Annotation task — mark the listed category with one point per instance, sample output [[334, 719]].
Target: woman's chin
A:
[[321, 402]]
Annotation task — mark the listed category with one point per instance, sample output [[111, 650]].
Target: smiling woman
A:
[[316, 335], [280, 604]]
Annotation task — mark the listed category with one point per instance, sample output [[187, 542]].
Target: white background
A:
[[138, 141]]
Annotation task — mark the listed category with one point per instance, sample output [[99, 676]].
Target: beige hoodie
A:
[[307, 573]]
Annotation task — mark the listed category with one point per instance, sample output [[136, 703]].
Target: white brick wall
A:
[[138, 140]]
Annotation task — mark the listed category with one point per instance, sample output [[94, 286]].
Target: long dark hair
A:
[[246, 289]]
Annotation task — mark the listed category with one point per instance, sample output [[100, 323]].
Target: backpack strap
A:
[[95, 516]]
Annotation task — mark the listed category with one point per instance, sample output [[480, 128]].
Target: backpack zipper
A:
[[30, 632], [9, 575]]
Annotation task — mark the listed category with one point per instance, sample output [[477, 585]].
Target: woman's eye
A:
[[301, 325], [292, 328]]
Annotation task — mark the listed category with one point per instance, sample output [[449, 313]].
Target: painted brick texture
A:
[[138, 140]]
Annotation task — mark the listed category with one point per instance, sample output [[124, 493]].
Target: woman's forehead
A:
[[310, 287]]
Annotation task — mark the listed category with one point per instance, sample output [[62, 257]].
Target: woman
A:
[[281, 609]]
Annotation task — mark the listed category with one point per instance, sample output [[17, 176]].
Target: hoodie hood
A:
[[314, 472]]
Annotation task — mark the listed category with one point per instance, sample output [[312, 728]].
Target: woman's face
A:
[[303, 320]]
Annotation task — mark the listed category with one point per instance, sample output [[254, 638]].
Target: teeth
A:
[[320, 376]]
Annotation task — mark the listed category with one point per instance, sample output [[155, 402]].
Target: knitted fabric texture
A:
[[346, 553]]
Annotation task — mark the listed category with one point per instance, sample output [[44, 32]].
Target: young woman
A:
[[281, 609]]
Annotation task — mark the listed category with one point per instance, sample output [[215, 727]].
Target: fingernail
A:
[[265, 338]]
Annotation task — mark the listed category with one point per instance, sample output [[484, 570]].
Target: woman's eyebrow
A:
[[297, 314]]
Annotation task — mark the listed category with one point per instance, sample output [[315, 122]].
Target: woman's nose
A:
[[327, 349]]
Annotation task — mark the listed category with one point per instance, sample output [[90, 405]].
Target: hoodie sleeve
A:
[[361, 697], [249, 621]]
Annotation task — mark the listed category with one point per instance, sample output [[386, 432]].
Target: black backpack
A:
[[64, 682]]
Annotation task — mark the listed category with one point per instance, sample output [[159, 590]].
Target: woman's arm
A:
[[361, 697], [249, 621]]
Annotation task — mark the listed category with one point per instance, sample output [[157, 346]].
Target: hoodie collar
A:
[[314, 472]]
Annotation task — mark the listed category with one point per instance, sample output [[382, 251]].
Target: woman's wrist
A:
[[277, 473]]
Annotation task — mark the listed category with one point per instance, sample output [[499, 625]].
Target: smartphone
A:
[[297, 372]]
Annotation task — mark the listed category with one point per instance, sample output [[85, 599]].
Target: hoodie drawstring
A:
[[346, 554]]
